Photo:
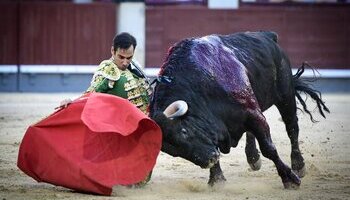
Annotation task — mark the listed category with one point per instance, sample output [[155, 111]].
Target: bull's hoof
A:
[[291, 181], [255, 166], [300, 172], [220, 179], [291, 186]]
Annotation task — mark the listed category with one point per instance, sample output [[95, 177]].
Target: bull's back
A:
[[263, 58], [242, 65], [219, 62]]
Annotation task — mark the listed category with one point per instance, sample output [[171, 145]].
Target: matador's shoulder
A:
[[108, 70]]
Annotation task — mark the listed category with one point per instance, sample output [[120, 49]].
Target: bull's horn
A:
[[176, 109]]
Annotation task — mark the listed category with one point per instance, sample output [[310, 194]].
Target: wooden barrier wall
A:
[[56, 32], [9, 33], [317, 33]]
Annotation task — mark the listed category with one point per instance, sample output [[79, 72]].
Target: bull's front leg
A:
[[216, 175], [261, 130]]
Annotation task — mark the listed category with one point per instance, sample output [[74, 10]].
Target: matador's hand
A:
[[64, 103]]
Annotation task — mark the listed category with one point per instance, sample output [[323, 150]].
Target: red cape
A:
[[98, 141]]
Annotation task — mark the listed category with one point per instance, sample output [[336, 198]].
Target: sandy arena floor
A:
[[325, 146]]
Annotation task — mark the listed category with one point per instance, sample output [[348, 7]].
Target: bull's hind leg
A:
[[252, 153], [216, 175], [261, 130], [287, 110]]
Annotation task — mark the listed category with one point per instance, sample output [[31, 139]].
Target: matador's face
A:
[[122, 57]]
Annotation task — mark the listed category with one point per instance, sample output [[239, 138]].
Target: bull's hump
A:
[[220, 62]]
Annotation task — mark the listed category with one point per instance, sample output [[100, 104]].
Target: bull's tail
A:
[[304, 86]]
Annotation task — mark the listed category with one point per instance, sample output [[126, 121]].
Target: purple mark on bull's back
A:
[[220, 62]]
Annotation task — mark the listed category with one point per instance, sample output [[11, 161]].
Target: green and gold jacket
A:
[[109, 79]]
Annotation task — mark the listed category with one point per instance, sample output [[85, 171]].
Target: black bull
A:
[[224, 83]]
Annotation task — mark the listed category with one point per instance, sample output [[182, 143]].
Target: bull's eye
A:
[[184, 133]]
